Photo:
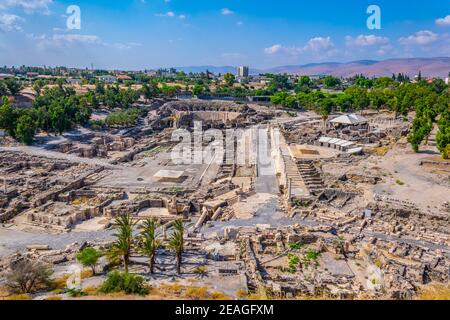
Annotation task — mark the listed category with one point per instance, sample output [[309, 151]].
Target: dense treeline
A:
[[56, 110], [9, 87], [123, 118], [430, 101]]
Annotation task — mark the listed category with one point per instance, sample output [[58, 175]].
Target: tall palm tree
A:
[[176, 242], [124, 239], [150, 241]]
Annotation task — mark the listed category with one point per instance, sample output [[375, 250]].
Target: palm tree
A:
[[124, 239], [150, 241], [176, 242]]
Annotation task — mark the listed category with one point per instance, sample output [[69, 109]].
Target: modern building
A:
[[108, 79], [6, 76], [243, 71], [74, 81]]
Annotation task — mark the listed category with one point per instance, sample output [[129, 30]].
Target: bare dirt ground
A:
[[402, 177], [409, 181]]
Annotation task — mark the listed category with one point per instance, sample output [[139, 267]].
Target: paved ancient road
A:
[[265, 183]]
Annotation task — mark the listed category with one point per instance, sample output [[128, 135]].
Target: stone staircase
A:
[[227, 168], [293, 174], [310, 176]]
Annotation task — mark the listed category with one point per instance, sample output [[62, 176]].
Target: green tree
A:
[[149, 241], [229, 79], [8, 117], [13, 86], [150, 90], [331, 82], [176, 242], [199, 90], [88, 257], [26, 276], [421, 128], [359, 97], [26, 129], [3, 89], [304, 81], [169, 91], [443, 135], [123, 244], [343, 101], [325, 108], [38, 86], [279, 98]]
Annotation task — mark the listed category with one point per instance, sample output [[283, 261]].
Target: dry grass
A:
[[60, 283], [53, 298], [435, 292], [381, 151], [163, 292], [187, 292], [18, 297], [90, 291]]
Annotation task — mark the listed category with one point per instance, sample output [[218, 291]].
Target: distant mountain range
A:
[[430, 67]]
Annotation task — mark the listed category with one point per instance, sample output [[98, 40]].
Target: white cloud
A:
[[424, 37], [443, 21], [65, 39], [10, 22], [170, 14], [226, 12], [318, 44], [366, 41], [278, 48], [70, 40], [167, 14], [29, 6]]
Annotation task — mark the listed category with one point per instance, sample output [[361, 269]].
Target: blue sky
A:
[[139, 34]]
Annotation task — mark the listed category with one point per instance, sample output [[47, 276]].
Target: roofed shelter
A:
[[352, 120]]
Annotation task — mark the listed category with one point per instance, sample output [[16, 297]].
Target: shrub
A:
[[124, 282], [311, 256], [27, 276], [241, 293], [294, 262], [200, 270], [75, 293], [88, 257], [295, 245], [196, 293]]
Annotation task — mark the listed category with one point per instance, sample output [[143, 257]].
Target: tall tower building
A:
[[242, 71]]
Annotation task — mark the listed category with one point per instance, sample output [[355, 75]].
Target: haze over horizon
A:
[[148, 34]]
